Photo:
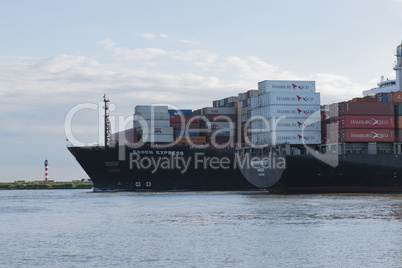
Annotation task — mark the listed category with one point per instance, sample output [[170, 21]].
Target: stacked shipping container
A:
[[217, 123], [296, 101], [186, 127], [353, 121], [152, 123], [226, 102], [244, 111]]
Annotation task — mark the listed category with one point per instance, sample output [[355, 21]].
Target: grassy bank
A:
[[45, 185]]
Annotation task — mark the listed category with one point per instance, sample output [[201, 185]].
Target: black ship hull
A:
[[354, 173], [161, 169]]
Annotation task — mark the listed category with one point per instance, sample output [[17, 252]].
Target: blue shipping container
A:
[[180, 112], [189, 133]]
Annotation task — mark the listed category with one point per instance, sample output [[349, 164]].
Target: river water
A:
[[79, 228]]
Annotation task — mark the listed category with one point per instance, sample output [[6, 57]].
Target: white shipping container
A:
[[243, 110], [254, 102], [325, 107], [156, 131], [255, 112], [243, 118], [291, 137], [232, 99], [295, 137], [289, 98], [292, 124], [151, 123], [154, 116], [157, 138], [218, 110], [290, 111], [242, 96], [150, 109], [285, 86], [289, 124], [253, 93]]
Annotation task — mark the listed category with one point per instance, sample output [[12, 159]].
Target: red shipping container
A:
[[399, 122], [366, 108], [220, 118], [325, 116], [334, 110], [333, 132], [324, 133], [186, 125], [367, 135], [362, 121], [186, 118]]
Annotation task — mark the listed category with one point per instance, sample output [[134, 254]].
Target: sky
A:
[[56, 56]]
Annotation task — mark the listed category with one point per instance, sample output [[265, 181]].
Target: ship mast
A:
[[107, 122], [398, 68]]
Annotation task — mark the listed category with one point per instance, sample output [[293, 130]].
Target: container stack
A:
[[296, 101], [398, 120], [361, 122], [218, 124], [152, 123], [226, 102], [186, 127], [244, 110], [395, 98], [325, 123]]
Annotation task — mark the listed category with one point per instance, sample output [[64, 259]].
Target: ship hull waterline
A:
[[354, 173], [175, 168]]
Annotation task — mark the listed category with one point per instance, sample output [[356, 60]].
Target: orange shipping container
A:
[[395, 97], [366, 99]]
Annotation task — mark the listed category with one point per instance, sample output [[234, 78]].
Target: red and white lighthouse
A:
[[46, 170]]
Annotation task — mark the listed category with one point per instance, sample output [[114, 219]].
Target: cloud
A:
[[188, 41], [197, 56], [134, 54], [153, 36], [335, 88]]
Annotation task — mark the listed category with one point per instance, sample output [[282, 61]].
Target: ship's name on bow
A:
[[157, 152]]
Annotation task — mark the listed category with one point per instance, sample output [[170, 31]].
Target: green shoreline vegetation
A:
[[38, 185]]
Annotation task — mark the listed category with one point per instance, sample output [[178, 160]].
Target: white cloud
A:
[[134, 54], [198, 57], [188, 41], [335, 88], [153, 36]]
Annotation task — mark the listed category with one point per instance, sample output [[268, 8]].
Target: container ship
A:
[[168, 150], [277, 137]]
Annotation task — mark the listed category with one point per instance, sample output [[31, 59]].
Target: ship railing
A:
[[89, 145]]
